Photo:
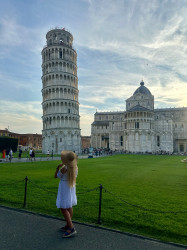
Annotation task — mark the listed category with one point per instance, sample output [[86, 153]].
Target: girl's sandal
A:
[[69, 233], [64, 229]]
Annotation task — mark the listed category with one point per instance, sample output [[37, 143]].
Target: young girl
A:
[[66, 197]]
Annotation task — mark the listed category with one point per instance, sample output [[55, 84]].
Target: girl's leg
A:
[[67, 217], [70, 210]]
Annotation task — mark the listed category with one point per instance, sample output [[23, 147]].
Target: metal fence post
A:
[[100, 199], [25, 195]]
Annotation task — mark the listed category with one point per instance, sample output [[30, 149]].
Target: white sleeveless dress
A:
[[66, 197]]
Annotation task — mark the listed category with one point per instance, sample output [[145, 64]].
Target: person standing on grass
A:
[[48, 154], [7, 154], [30, 154], [66, 198], [20, 152], [33, 155], [10, 155]]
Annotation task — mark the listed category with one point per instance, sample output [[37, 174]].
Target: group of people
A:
[[9, 154]]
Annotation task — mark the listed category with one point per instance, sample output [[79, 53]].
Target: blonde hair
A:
[[72, 174], [69, 159]]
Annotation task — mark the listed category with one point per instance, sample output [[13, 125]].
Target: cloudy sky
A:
[[118, 42]]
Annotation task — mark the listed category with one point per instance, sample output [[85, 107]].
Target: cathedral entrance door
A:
[[181, 148]]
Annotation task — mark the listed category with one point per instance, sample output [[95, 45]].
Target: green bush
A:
[[7, 142]]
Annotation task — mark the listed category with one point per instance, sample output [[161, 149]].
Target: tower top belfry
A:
[[59, 36]]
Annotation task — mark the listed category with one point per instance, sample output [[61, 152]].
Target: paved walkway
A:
[[21, 230], [38, 159], [27, 159]]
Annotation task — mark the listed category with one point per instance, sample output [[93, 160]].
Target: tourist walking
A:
[[20, 152], [10, 155], [30, 154], [7, 154], [66, 198], [48, 154], [33, 155]]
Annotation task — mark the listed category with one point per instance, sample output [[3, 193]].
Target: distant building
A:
[[61, 120], [26, 140], [141, 128], [86, 141]]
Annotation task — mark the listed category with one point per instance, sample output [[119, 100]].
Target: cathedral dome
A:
[[142, 90]]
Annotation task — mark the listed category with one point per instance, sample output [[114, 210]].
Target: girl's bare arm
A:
[[57, 169]]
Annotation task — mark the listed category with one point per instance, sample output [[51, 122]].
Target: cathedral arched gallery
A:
[[141, 128]]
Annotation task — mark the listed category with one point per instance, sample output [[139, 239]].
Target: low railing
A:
[[99, 188]]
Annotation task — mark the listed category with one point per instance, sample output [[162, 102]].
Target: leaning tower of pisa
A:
[[61, 120]]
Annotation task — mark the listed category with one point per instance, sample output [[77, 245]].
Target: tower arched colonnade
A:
[[56, 79], [54, 66], [53, 53], [64, 92], [59, 121], [51, 107]]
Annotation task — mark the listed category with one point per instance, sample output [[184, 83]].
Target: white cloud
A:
[[85, 122], [18, 35], [86, 106], [10, 107], [175, 95], [21, 117], [21, 123]]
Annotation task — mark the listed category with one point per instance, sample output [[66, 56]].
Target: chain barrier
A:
[[100, 188], [41, 187], [5, 184], [90, 190], [142, 208], [87, 191]]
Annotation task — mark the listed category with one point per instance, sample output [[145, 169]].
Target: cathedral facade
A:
[[141, 128]]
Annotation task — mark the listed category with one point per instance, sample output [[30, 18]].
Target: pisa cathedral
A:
[[141, 128], [61, 120]]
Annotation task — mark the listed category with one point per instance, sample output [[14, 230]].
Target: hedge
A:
[[7, 142]]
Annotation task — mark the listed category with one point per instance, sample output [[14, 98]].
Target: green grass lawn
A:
[[148, 181]]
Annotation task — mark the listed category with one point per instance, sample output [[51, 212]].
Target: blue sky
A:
[[118, 43]]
